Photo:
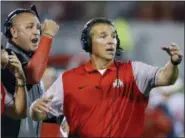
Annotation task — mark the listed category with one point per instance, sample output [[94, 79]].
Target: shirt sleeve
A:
[[36, 66], [56, 103], [145, 76]]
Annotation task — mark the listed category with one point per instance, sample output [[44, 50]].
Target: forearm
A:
[[38, 63], [18, 109], [167, 75], [21, 99]]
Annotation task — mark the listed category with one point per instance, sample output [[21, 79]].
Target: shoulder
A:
[[134, 66], [72, 77], [124, 64], [137, 65], [73, 72]]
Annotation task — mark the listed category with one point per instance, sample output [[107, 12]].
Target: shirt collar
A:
[[89, 67]]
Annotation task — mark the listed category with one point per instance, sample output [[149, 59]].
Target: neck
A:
[[15, 42], [100, 63]]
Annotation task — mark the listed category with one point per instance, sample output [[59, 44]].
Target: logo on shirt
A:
[[117, 83]]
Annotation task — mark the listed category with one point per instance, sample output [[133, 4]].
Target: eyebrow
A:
[[113, 33], [102, 33], [30, 23]]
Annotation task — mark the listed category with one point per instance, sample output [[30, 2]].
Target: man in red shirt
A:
[[14, 106], [104, 97]]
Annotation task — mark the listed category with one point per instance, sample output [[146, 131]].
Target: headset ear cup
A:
[[84, 41], [7, 32], [89, 46], [84, 47]]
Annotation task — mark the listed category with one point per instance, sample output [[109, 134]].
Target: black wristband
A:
[[174, 63]]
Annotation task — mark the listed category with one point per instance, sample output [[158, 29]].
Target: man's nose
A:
[[111, 42]]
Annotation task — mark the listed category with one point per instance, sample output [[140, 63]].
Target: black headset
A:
[[86, 41], [8, 21]]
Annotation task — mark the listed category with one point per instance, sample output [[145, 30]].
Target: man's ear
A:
[[13, 32]]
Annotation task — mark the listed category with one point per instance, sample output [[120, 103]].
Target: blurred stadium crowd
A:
[[165, 112], [70, 10]]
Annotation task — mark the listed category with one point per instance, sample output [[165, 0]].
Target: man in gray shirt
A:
[[23, 31]]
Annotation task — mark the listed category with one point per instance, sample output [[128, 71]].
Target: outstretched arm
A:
[[169, 74], [38, 63]]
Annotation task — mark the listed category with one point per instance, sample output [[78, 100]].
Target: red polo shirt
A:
[[102, 105]]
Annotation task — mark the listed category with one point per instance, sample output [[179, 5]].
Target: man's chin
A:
[[33, 48], [110, 57]]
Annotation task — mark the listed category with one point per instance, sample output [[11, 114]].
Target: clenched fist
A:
[[175, 53], [49, 27]]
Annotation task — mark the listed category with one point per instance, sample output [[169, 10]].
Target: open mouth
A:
[[35, 40], [110, 51]]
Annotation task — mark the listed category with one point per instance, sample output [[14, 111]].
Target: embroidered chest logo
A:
[[118, 83]]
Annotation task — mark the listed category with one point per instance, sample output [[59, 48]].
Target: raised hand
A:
[[49, 27], [175, 53]]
